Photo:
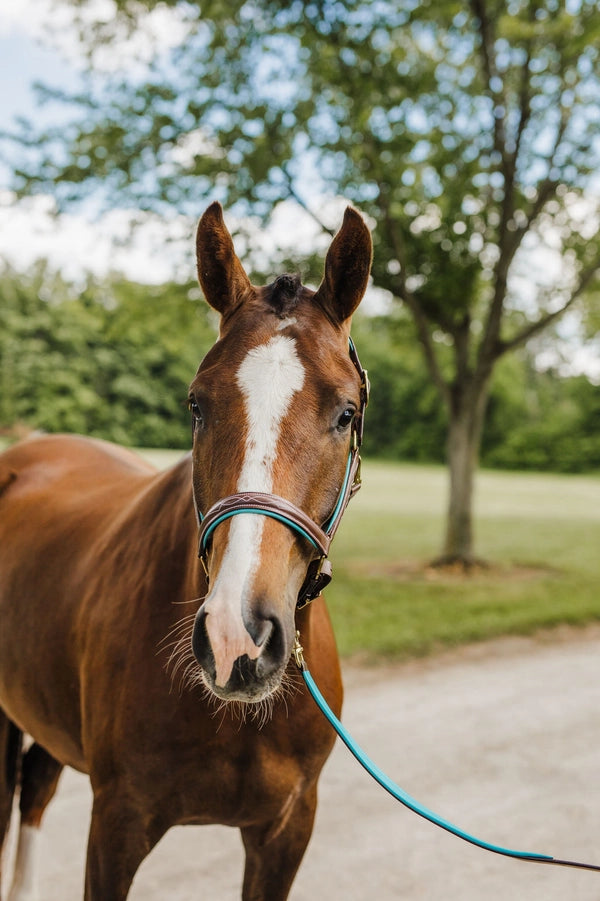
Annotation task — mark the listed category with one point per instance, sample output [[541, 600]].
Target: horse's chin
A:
[[250, 693]]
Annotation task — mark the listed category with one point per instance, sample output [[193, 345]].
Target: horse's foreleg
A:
[[10, 750], [274, 853], [39, 779], [121, 835]]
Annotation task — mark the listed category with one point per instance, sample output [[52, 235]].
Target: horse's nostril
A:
[[259, 630], [268, 633], [273, 649], [265, 666], [201, 644]]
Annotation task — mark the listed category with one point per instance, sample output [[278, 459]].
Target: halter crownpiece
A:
[[319, 573]]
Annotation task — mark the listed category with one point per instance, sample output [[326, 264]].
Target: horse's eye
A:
[[346, 418], [194, 409]]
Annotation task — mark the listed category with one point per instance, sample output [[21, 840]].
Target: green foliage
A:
[[113, 361], [534, 420], [543, 423], [455, 123]]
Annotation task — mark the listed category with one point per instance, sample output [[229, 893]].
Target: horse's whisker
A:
[[181, 626], [190, 601]]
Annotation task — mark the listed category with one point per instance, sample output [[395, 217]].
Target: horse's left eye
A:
[[346, 418], [195, 411]]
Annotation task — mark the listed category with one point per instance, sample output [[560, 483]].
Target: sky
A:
[[29, 231], [75, 243]]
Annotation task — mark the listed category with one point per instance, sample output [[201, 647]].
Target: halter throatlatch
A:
[[319, 571]]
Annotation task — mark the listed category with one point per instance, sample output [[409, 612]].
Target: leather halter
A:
[[319, 571]]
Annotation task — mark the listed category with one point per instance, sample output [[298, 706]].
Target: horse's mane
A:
[[7, 477]]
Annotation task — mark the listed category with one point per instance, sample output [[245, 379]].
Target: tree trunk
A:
[[467, 410]]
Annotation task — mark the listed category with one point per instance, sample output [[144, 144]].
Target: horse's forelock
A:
[[284, 293]]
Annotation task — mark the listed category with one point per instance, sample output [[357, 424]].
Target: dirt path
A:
[[502, 739]]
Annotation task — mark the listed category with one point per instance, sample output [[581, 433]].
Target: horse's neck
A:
[[164, 515]]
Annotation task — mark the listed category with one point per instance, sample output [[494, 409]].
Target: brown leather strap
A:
[[351, 486], [318, 577], [365, 390], [270, 505]]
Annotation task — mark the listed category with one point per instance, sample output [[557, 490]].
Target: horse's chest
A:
[[233, 780]]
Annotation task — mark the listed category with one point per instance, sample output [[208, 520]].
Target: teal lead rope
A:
[[405, 799]]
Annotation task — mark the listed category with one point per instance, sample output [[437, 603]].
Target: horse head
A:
[[274, 407]]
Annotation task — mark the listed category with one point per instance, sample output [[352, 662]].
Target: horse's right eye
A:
[[346, 418]]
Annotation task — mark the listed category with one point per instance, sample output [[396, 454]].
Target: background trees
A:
[[468, 131], [112, 360]]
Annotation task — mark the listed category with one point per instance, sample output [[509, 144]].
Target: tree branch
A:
[[543, 322], [426, 340], [490, 347], [511, 157], [412, 303], [524, 105], [295, 196], [486, 33]]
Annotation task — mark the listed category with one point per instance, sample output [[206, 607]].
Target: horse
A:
[[163, 673]]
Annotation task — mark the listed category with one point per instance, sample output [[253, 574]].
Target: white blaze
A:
[[268, 378]]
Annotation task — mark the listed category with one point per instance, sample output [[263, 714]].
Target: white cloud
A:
[[586, 361], [25, 17], [55, 26], [570, 358], [195, 143], [130, 52], [153, 252], [143, 247]]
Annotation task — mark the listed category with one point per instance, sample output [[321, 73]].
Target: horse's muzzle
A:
[[247, 676]]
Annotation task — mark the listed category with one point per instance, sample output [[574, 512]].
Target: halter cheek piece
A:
[[319, 572]]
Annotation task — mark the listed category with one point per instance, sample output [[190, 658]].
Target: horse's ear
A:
[[347, 268], [221, 275]]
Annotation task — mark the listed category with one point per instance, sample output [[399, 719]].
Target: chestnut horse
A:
[[165, 677]]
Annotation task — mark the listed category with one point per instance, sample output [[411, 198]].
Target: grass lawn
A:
[[540, 534]]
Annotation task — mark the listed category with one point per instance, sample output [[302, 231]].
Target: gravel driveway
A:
[[502, 739]]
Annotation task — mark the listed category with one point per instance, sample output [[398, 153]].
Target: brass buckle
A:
[[366, 386], [297, 652], [202, 558], [357, 477], [300, 605]]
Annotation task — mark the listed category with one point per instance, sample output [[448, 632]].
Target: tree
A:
[[406, 420], [468, 131]]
